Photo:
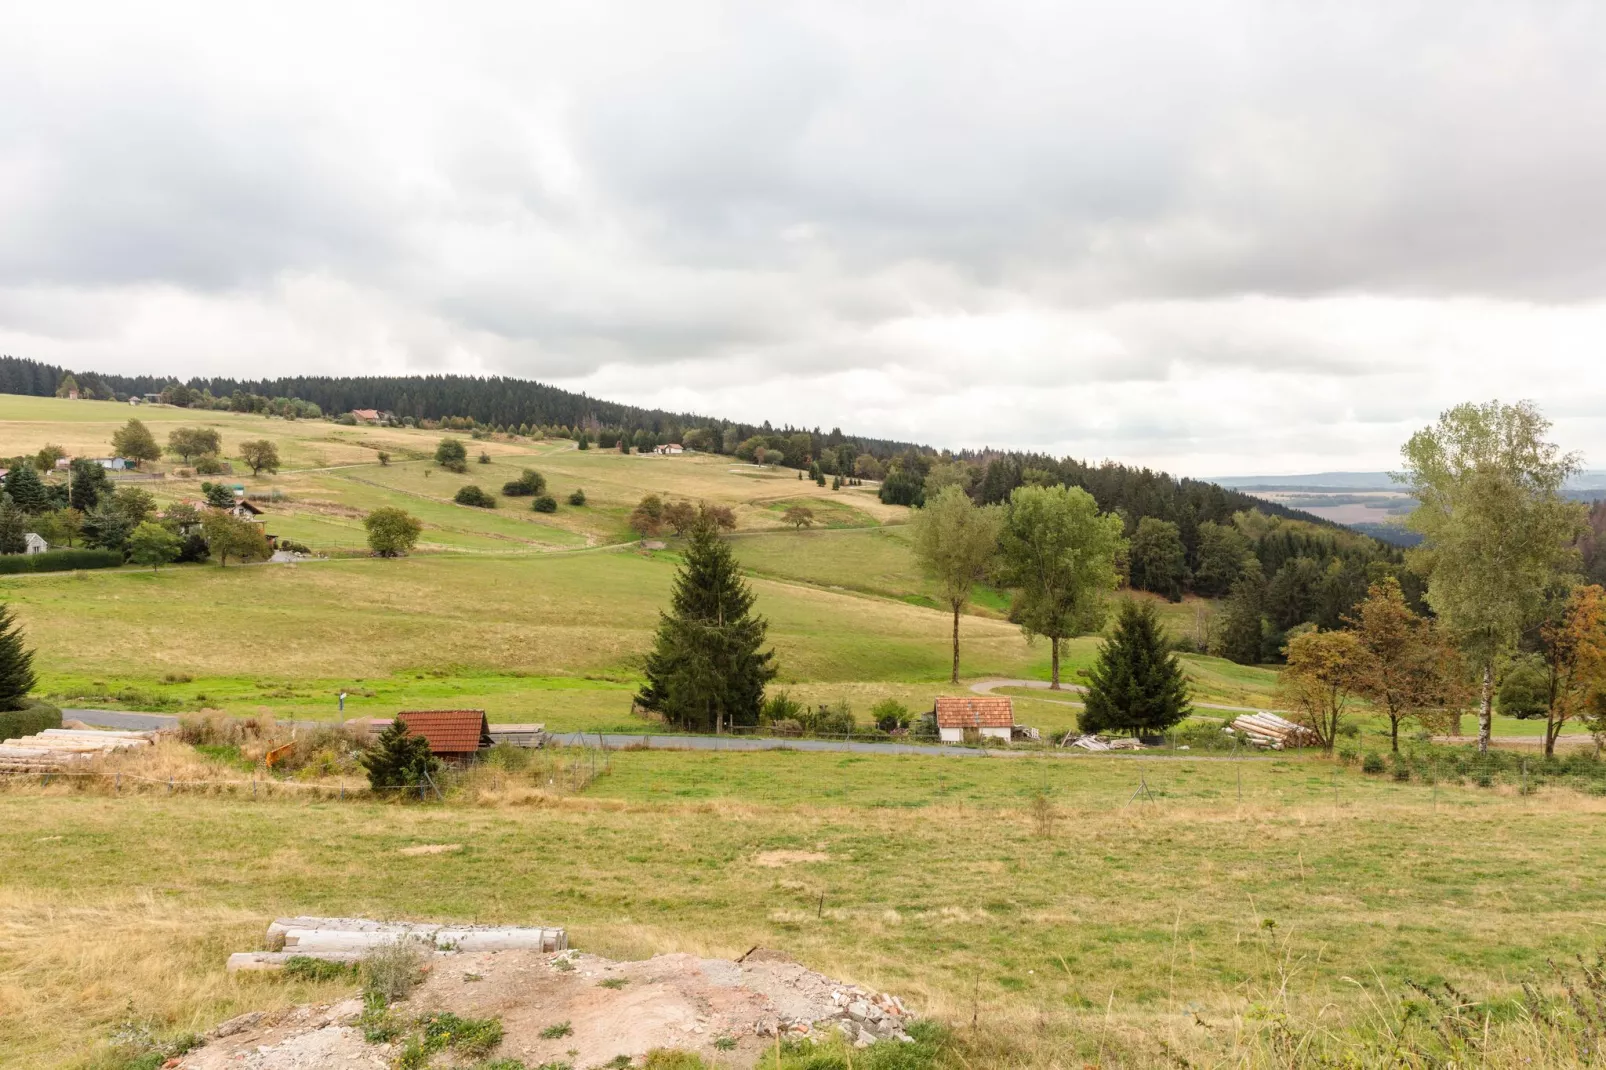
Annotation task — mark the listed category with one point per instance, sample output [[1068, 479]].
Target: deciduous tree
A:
[[452, 455], [647, 518], [954, 542], [680, 516], [261, 454], [392, 532], [799, 516], [1496, 526], [1406, 666], [1574, 650], [188, 442], [230, 536], [152, 544], [134, 441], [1059, 552], [1159, 561], [1321, 680]]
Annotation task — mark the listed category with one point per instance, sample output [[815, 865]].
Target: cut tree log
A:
[[363, 934]]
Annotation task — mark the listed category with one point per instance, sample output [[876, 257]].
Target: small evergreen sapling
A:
[[399, 759]]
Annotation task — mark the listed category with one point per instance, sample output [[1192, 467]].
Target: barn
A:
[[974, 717], [454, 735]]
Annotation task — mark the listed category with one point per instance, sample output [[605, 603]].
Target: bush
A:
[[577, 498], [780, 706], [545, 503], [307, 968], [472, 495], [14, 724], [529, 482], [291, 546], [890, 715], [1203, 735], [390, 971], [210, 465], [1372, 763], [60, 561]]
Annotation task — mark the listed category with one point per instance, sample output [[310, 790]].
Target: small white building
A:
[[35, 543], [973, 718]]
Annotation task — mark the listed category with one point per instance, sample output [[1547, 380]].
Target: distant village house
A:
[[669, 447]]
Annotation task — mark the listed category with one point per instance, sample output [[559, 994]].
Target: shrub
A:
[[60, 561], [452, 455], [472, 495], [390, 971], [1202, 735], [1372, 763], [557, 1032], [544, 503], [29, 720], [294, 547], [890, 715], [391, 531], [210, 465], [529, 482], [780, 706], [485, 458], [577, 498]]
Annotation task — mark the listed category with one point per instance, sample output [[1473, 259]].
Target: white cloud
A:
[[1212, 237]]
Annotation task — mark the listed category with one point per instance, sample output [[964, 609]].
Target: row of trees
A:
[[135, 442]]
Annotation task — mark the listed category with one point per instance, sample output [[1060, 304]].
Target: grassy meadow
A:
[[532, 616], [1098, 930]]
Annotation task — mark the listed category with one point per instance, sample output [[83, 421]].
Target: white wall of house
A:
[[957, 735], [35, 543]]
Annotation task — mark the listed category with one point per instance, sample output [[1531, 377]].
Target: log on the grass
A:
[[362, 934]]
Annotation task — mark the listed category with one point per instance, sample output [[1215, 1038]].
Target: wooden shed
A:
[[455, 735], [974, 716]]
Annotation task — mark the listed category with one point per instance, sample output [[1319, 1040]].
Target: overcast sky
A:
[[1212, 237]]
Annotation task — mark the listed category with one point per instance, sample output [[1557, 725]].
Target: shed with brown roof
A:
[[453, 734], [974, 716]]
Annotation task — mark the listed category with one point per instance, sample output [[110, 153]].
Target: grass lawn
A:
[[1126, 928]]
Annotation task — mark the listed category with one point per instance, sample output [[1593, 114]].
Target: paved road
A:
[[141, 722]]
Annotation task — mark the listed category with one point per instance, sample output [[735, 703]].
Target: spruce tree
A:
[[706, 671], [1137, 684], [13, 528], [399, 759], [27, 490], [16, 663]]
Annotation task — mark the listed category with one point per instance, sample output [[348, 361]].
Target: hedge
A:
[[59, 561], [14, 724]]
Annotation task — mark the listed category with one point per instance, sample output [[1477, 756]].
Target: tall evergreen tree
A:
[[13, 528], [706, 671], [27, 490], [1137, 684], [16, 663]]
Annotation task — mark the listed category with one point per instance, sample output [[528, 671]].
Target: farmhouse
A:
[[961, 720], [669, 448], [455, 735], [365, 416]]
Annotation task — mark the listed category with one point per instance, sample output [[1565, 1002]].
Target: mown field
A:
[[1109, 932]]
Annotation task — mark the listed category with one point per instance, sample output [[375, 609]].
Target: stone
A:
[[239, 1024]]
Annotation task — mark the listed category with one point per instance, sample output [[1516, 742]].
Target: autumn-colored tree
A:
[[1408, 667], [799, 516], [647, 517], [1323, 676], [680, 516], [1574, 649]]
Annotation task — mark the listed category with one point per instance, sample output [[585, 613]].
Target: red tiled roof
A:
[[365, 414], [449, 731], [977, 712]]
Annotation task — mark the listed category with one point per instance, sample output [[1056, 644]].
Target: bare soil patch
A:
[[670, 1001], [776, 859], [431, 849]]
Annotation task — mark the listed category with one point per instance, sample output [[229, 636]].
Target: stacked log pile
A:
[[55, 748], [1270, 730], [349, 939]]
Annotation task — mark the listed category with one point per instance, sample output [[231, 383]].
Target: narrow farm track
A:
[[986, 687]]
